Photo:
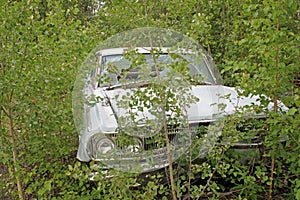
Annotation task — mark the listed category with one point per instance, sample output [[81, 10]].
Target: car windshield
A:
[[114, 66]]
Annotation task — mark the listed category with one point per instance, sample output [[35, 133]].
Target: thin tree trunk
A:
[[275, 99], [9, 114]]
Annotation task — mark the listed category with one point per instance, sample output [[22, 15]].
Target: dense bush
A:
[[42, 44]]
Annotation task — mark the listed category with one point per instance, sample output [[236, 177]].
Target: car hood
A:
[[214, 102]]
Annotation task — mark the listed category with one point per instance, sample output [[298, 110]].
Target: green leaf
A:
[[292, 111]]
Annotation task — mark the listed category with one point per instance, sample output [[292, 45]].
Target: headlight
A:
[[100, 144], [135, 146], [104, 145]]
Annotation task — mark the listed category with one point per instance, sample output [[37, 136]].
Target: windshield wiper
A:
[[114, 87]]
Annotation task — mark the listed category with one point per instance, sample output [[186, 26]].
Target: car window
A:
[[122, 65]]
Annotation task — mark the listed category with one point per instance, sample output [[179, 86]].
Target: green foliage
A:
[[42, 43]]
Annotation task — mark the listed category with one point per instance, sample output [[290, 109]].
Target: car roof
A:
[[144, 50]]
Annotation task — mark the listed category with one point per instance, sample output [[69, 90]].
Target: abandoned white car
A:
[[144, 103]]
